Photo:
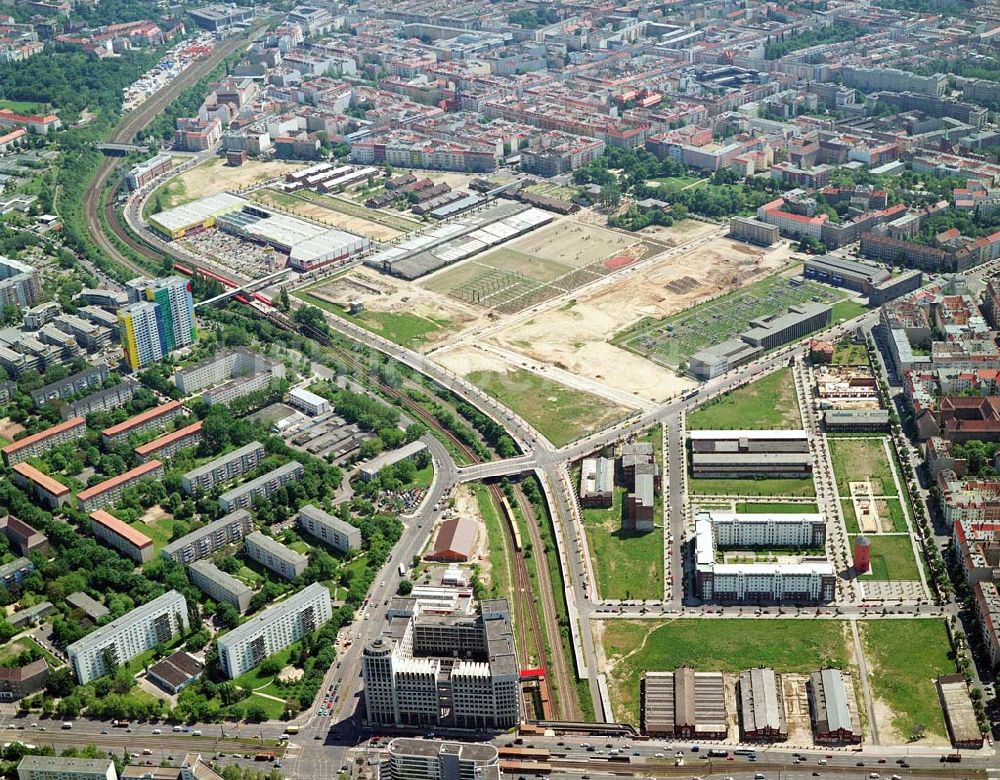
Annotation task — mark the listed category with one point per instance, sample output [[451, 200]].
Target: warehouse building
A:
[[56, 768], [154, 419], [855, 420], [753, 231], [455, 541], [43, 441], [391, 458], [841, 272], [273, 555], [195, 216], [683, 704], [223, 469], [777, 329], [49, 490], [123, 537], [219, 586], [833, 707], [307, 244], [762, 706], [176, 672], [274, 629], [639, 504], [960, 715], [327, 528], [110, 491], [123, 639], [203, 541], [712, 361], [597, 482], [169, 444], [748, 453], [242, 496]]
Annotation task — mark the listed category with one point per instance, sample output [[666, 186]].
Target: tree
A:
[[405, 588]]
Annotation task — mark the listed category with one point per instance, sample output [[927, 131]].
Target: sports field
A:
[[538, 267], [768, 403], [562, 414], [671, 341], [635, 646]]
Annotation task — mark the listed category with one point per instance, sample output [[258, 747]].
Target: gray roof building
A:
[[243, 495], [332, 530], [58, 768], [379, 462], [684, 704], [209, 538], [762, 708], [95, 610], [275, 556], [220, 586], [833, 707]]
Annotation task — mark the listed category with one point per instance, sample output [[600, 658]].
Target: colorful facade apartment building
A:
[[159, 319]]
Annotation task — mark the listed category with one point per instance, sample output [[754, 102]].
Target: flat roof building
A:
[[273, 555], [243, 495], [762, 706], [684, 704], [203, 541], [121, 640], [274, 629], [855, 420], [750, 453], [777, 329], [224, 468], [710, 362], [597, 482], [833, 707], [57, 768], [421, 759], [379, 462], [963, 726], [219, 586], [327, 528], [123, 537], [308, 402]]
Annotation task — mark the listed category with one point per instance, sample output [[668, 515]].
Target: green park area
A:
[[892, 558], [781, 486], [846, 353], [636, 646], [562, 414], [776, 508], [862, 460], [905, 658], [24, 106], [766, 404], [846, 310], [628, 564], [672, 340]]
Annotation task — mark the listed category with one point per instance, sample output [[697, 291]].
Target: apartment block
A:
[[19, 283], [121, 640], [204, 541], [283, 561], [274, 629], [332, 530], [169, 444], [22, 537], [793, 531], [219, 586], [223, 469], [87, 379], [49, 490], [110, 491], [243, 496], [223, 366], [123, 537], [109, 398], [155, 419], [56, 768], [39, 443], [143, 173], [753, 231]]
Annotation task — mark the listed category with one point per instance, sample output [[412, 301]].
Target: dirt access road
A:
[[132, 123]]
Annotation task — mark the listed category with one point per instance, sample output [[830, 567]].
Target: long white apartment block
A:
[[209, 538], [219, 586], [332, 530], [123, 639], [223, 469], [242, 496], [273, 555], [274, 629]]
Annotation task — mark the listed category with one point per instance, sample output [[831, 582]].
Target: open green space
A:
[[499, 565], [846, 353], [255, 679], [846, 310], [562, 414], [860, 460], [796, 488], [24, 106], [160, 530], [773, 508], [892, 558], [423, 478], [167, 196], [905, 658], [671, 184], [628, 564], [407, 330], [274, 709], [766, 404], [636, 646], [850, 518], [672, 340]]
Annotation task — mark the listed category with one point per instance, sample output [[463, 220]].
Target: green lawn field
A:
[[769, 403], [635, 646], [778, 509], [628, 564], [892, 558], [562, 414], [905, 657], [797, 488], [858, 460]]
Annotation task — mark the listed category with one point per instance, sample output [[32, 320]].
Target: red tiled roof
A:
[[52, 485], [167, 438], [63, 426], [124, 530], [101, 487], [149, 414]]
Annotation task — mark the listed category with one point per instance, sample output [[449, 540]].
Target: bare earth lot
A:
[[215, 176], [331, 217]]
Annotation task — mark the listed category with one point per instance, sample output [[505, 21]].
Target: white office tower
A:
[[274, 629], [420, 759], [438, 666]]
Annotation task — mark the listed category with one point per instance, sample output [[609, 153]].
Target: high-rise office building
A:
[[158, 319]]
